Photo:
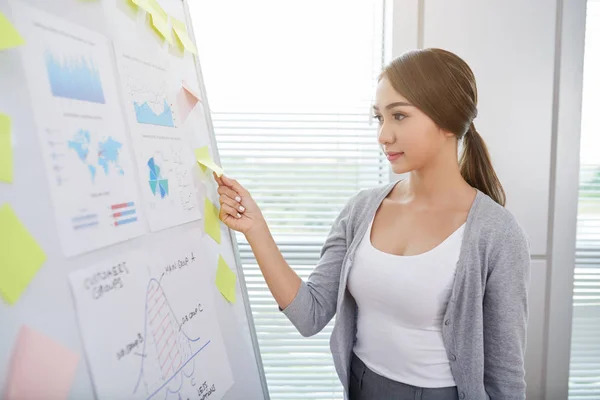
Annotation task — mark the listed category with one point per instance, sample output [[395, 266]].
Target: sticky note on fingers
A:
[[205, 160], [226, 280], [9, 36], [40, 368], [212, 223], [20, 255], [181, 33], [6, 151]]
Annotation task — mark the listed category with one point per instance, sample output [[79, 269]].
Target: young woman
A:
[[427, 276]]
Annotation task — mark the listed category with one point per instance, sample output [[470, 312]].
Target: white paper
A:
[[164, 153], [149, 325], [75, 102]]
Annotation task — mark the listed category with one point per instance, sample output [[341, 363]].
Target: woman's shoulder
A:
[[495, 226]]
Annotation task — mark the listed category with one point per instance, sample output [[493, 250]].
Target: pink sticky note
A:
[[186, 100], [40, 368]]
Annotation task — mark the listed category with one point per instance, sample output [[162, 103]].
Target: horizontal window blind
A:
[[584, 380], [290, 101]]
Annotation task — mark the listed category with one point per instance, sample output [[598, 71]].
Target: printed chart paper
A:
[[81, 131], [165, 341], [164, 154]]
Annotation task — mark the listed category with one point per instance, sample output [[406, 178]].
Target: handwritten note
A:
[[186, 100], [205, 160], [40, 368], [9, 36], [6, 153], [212, 224], [20, 255], [225, 280], [182, 35]]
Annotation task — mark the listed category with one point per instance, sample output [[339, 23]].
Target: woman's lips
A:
[[392, 156]]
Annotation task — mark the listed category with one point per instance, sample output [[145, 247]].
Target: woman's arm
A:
[[311, 305], [505, 309]]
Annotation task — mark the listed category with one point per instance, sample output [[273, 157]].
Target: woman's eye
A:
[[378, 118], [399, 117]]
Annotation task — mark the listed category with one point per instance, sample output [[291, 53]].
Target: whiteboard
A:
[[105, 270]]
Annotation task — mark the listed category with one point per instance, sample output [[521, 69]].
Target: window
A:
[[584, 380], [290, 86]]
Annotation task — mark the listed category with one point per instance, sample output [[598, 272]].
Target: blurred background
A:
[[290, 101]]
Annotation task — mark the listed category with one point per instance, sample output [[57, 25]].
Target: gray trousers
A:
[[367, 385]]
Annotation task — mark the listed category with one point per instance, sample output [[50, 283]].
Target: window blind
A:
[[291, 104], [584, 380]]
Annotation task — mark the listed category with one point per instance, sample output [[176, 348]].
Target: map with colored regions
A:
[[106, 153]]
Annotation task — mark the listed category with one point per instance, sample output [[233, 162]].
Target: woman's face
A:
[[409, 138]]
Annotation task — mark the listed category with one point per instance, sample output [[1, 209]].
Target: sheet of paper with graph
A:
[[165, 341]]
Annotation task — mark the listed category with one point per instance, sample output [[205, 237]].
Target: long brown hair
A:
[[442, 85]]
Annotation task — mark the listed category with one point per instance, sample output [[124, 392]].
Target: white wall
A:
[[514, 48]]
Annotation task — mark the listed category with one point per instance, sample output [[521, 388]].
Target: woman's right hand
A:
[[238, 210]]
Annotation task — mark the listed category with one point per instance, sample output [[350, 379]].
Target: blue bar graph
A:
[[74, 78], [125, 221]]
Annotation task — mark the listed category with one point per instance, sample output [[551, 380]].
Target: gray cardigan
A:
[[485, 322]]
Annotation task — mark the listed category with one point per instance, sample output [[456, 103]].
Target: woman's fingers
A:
[[225, 191], [224, 199], [233, 184], [229, 210], [217, 179]]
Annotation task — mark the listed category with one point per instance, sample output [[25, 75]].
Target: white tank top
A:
[[401, 304]]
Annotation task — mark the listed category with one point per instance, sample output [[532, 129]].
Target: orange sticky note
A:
[[225, 280], [40, 368], [186, 100], [212, 223]]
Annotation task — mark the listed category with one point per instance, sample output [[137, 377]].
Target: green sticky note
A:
[[6, 153], [225, 280], [205, 160], [9, 36], [20, 255], [212, 223]]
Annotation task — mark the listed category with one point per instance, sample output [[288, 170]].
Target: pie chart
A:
[[158, 185]]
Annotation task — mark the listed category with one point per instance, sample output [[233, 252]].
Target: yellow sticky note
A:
[[6, 153], [182, 35], [160, 19], [143, 4], [212, 223], [205, 160], [20, 255], [226, 280], [9, 36], [40, 368]]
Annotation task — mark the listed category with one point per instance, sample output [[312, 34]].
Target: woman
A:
[[427, 276]]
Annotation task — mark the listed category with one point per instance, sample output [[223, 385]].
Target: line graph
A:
[[170, 352], [165, 341]]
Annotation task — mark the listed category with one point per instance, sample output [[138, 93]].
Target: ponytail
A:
[[476, 166]]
